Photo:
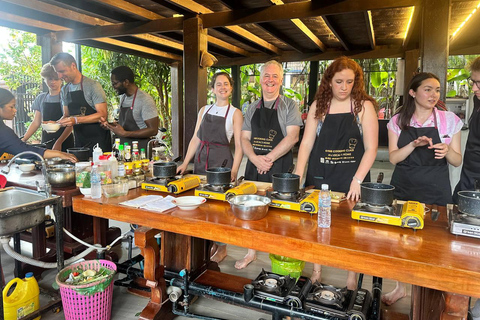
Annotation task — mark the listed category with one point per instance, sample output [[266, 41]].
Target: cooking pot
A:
[[164, 169], [219, 176], [285, 182], [469, 202], [82, 153], [377, 194], [61, 175]]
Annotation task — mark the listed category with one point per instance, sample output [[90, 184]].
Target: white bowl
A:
[[26, 167], [50, 127], [87, 192], [188, 202]]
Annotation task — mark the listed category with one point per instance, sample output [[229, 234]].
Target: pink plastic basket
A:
[[82, 307]]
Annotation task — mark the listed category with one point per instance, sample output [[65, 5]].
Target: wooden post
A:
[[313, 81], [237, 87], [177, 109], [194, 41], [411, 66], [434, 40], [50, 47]]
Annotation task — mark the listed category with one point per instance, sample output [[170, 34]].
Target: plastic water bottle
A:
[[96, 183], [324, 216]]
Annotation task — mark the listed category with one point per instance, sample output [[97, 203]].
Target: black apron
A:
[[214, 146], [87, 134], [421, 177], [471, 156], [266, 135], [337, 153], [126, 120], [52, 111]]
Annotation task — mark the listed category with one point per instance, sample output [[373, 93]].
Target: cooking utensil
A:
[[380, 177], [285, 182], [82, 153], [61, 175], [164, 169], [469, 202], [249, 206], [377, 194], [219, 176], [435, 212]]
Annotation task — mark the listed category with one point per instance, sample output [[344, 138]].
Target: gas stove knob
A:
[[308, 207], [411, 222], [356, 316], [294, 302]]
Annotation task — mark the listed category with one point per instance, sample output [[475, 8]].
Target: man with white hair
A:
[[270, 130]]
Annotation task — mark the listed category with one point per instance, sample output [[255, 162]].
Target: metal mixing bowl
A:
[[61, 175], [243, 210]]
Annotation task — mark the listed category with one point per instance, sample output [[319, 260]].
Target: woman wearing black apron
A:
[[341, 136], [210, 144], [471, 157], [421, 142], [48, 108]]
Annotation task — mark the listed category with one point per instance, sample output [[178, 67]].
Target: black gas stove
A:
[[273, 287]]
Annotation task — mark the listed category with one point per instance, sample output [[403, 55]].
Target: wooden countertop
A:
[[431, 257]]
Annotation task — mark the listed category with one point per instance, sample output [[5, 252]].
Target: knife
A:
[[435, 212]]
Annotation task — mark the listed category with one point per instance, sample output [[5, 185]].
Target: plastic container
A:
[[97, 152], [82, 174], [286, 266], [324, 216], [23, 298], [113, 166], [115, 189], [105, 170], [80, 302], [96, 184]]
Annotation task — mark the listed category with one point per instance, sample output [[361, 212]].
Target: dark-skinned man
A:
[[138, 116]]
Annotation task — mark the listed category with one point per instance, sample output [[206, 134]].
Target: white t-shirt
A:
[[220, 112]]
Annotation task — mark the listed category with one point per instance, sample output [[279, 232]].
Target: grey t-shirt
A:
[[37, 104], [288, 113], [92, 90], [143, 109]]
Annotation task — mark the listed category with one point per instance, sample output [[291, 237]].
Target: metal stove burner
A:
[[292, 196], [164, 181], [272, 286], [271, 282], [218, 188], [378, 209], [328, 295]]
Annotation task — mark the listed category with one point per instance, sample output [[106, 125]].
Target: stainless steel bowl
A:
[[245, 207], [61, 175]]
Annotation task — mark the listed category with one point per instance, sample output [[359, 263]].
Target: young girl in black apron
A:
[[420, 157], [341, 136], [210, 144]]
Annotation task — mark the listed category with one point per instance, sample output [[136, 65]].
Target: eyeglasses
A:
[[471, 82]]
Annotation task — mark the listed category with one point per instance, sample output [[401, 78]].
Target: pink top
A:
[[447, 121]]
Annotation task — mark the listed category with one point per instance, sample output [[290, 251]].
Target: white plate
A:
[[188, 202]]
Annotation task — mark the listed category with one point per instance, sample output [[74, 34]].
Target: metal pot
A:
[[219, 176], [164, 169], [377, 194], [285, 182], [82, 153], [469, 202], [61, 175]]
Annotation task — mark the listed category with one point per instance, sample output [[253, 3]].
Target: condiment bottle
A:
[[97, 152]]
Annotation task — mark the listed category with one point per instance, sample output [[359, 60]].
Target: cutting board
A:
[[261, 186]]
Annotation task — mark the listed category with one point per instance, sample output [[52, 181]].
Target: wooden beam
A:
[[132, 8], [370, 32], [304, 9], [137, 47], [313, 81], [227, 46], [177, 109], [198, 8], [237, 86], [300, 25], [267, 27], [434, 42], [31, 22], [411, 66], [195, 41], [415, 20], [334, 28]]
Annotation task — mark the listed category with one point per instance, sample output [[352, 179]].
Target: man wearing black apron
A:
[[270, 130], [337, 152], [411, 174], [470, 176], [84, 103], [138, 116]]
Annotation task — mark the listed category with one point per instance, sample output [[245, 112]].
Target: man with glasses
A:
[[471, 159], [138, 116]]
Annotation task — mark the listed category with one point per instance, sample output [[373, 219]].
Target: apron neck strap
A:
[[261, 103]]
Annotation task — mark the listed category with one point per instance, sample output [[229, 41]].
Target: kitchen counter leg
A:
[[430, 304]]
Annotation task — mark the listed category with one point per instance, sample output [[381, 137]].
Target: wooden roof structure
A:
[[242, 31]]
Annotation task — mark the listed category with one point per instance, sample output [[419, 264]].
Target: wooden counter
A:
[[431, 257]]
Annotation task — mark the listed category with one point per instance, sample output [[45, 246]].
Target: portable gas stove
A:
[[172, 184], [462, 224], [409, 214], [273, 287], [296, 201], [224, 192], [336, 303]]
